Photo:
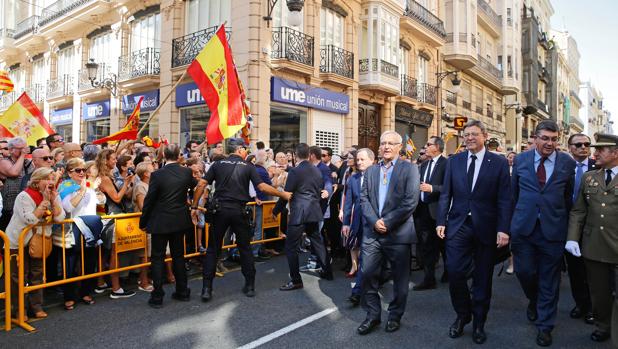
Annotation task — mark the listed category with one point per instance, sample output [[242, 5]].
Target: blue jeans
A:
[[257, 231]]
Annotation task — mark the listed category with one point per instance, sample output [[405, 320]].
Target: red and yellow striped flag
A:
[[24, 119], [129, 131], [214, 72], [5, 82]]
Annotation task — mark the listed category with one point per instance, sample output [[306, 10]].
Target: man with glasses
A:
[[12, 169], [40, 158], [542, 183], [579, 147], [54, 141], [432, 176], [473, 215]]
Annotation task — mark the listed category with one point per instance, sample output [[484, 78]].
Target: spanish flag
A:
[[24, 119], [214, 72], [129, 131], [5, 82]]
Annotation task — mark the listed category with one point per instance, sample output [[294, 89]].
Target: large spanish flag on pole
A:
[[6, 84], [214, 72], [24, 119], [129, 131]]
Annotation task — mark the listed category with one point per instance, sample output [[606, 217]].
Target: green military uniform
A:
[[594, 219]]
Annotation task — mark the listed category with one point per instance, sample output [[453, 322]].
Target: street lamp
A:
[[295, 6], [109, 83], [455, 89]]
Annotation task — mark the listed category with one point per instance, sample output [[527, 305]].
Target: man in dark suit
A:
[[579, 147], [474, 215], [432, 176], [166, 217], [305, 183], [389, 196], [542, 183]]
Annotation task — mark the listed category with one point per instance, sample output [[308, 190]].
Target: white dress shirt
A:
[[477, 166]]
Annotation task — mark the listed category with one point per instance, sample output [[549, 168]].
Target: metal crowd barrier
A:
[[128, 238], [6, 295]]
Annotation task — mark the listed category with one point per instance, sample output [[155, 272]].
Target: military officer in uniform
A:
[[594, 220]]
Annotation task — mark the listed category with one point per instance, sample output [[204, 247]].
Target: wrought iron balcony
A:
[[83, 83], [7, 99], [489, 67], [426, 93], [451, 97], [490, 13], [186, 48], [363, 65], [25, 27], [417, 12], [139, 63], [7, 33], [60, 87], [389, 68], [36, 92], [59, 9], [336, 60], [466, 105], [385, 67], [409, 87], [293, 45]]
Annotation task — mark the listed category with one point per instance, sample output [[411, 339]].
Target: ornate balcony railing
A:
[[336, 60], [293, 45], [7, 33], [427, 93], [389, 68], [490, 13], [36, 92], [409, 87], [83, 83], [59, 9], [25, 27], [139, 63], [7, 99], [466, 105], [185, 48], [416, 11], [451, 97], [489, 67], [363, 65], [62, 86]]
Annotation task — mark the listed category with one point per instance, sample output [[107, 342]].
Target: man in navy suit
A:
[[305, 183], [474, 215], [579, 147], [388, 198], [542, 183]]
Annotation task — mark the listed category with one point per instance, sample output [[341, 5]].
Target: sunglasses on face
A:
[[46, 158], [581, 144], [4, 148], [79, 170]]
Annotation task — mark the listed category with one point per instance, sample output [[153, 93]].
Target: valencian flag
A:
[[5, 81], [214, 72], [129, 131], [410, 147], [24, 119]]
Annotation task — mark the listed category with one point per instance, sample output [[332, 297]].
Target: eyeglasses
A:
[[581, 144], [429, 144], [471, 134], [61, 140], [324, 155], [390, 144], [46, 158], [78, 170], [548, 139], [4, 148]]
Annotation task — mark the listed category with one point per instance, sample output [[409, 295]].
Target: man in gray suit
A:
[[390, 193]]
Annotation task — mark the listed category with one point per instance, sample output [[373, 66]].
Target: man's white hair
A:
[[16, 142], [391, 133]]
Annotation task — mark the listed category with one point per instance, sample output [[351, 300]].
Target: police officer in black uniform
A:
[[232, 176]]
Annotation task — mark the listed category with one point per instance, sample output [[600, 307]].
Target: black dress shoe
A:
[[531, 313], [290, 286], [599, 336], [456, 329], [155, 303], [576, 313], [367, 326], [424, 286], [249, 290], [326, 275], [354, 300], [589, 318], [543, 338], [183, 297], [444, 278], [392, 325], [206, 294], [478, 335]]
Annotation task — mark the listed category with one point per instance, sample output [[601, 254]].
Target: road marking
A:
[[256, 343]]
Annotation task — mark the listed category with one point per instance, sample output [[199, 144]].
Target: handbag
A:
[[40, 245]]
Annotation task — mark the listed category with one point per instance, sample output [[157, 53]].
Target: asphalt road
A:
[[232, 320]]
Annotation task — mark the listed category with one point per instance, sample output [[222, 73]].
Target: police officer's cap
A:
[[236, 142], [605, 140]]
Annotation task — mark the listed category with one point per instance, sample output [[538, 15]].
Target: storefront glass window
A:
[[97, 129], [66, 131], [288, 127], [193, 122]]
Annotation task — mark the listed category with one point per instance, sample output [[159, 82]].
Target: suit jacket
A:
[[165, 206], [593, 218], [551, 204], [436, 179], [352, 212], [305, 183], [400, 203], [489, 202]]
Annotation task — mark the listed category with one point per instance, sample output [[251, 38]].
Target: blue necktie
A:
[[578, 179]]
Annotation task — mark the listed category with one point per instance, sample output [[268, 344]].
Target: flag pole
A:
[[161, 103]]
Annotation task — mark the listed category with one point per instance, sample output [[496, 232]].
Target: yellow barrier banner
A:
[[128, 235], [267, 216]]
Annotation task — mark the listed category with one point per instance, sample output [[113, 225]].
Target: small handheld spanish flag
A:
[[410, 147], [5, 82]]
